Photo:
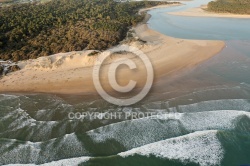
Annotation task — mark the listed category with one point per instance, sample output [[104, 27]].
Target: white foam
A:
[[140, 132], [21, 119], [7, 97], [18, 153], [232, 104], [201, 147], [65, 162], [216, 120], [33, 152], [137, 132]]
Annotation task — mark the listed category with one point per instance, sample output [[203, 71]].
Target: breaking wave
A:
[[193, 129]]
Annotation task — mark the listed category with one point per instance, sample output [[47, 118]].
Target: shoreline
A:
[[159, 6], [71, 73], [201, 12]]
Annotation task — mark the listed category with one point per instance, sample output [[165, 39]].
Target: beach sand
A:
[[159, 6], [71, 73], [201, 12]]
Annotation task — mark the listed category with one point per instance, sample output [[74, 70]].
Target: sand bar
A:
[[201, 12]]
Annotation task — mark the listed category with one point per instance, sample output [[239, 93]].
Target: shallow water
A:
[[205, 28], [36, 129], [204, 113]]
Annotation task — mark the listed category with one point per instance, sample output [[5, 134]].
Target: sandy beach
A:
[[201, 12], [71, 73], [159, 6]]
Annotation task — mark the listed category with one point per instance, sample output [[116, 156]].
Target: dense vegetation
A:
[[230, 6], [33, 30]]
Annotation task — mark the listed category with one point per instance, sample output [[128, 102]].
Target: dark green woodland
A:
[[36, 29], [230, 6]]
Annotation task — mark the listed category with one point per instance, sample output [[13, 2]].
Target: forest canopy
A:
[[230, 6], [32, 30]]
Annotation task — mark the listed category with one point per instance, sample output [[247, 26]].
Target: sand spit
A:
[[71, 73]]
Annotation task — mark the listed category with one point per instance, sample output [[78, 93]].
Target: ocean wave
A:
[[226, 104], [65, 162], [221, 120], [4, 97], [134, 133], [15, 151], [40, 134], [20, 117], [19, 121], [203, 148]]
